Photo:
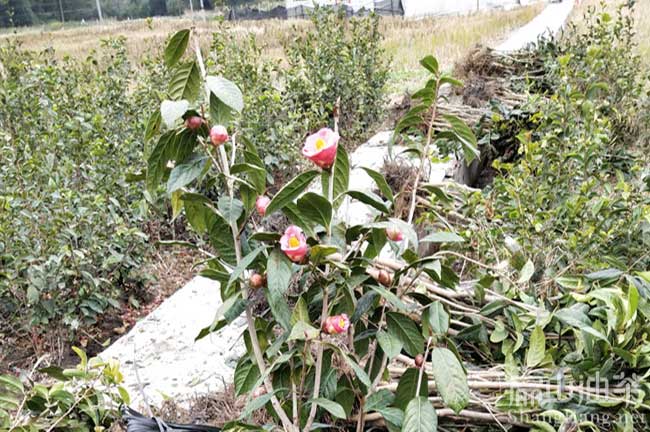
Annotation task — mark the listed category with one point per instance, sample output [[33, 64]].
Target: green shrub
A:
[[69, 236], [576, 200], [337, 58], [84, 398]]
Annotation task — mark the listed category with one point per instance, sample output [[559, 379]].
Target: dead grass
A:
[[449, 38]]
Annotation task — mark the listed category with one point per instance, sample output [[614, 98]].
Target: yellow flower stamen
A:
[[320, 143], [294, 242], [341, 323]]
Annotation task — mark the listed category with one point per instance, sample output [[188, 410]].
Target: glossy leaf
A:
[[405, 329], [176, 47], [291, 191], [279, 273], [420, 416], [186, 82], [450, 377], [226, 91]]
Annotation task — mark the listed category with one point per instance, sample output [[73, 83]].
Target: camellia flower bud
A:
[[384, 278], [218, 135], [194, 122], [256, 281], [394, 233], [260, 391], [321, 147], [261, 204], [336, 324], [294, 244], [419, 360]]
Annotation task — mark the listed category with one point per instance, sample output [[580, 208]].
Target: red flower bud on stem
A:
[[218, 135]]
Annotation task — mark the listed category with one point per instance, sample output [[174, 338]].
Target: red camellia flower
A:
[[194, 122], [294, 244], [218, 135], [320, 147], [336, 324], [394, 233], [261, 204]]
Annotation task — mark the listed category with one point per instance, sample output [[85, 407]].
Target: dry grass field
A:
[[406, 40]]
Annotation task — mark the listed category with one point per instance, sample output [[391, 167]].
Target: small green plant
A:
[[340, 62], [84, 398]]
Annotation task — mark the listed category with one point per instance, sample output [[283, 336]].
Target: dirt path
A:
[[550, 21]]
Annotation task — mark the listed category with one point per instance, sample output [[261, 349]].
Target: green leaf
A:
[[332, 407], [296, 218], [171, 146], [257, 403], [9, 402], [393, 416], [359, 373], [197, 212], [303, 331], [436, 318], [420, 416], [404, 329], [230, 208], [226, 91], [221, 239], [378, 400], [341, 175], [526, 272], [244, 263], [82, 356], [246, 375], [229, 311], [315, 209], [11, 383], [390, 297], [172, 111], [407, 385], [450, 377], [431, 64], [603, 275], [176, 47], [446, 79], [300, 312], [278, 270], [220, 113], [536, 348], [381, 183], [369, 198], [464, 136], [153, 125], [442, 237], [291, 191], [390, 344], [319, 252], [186, 82], [185, 173]]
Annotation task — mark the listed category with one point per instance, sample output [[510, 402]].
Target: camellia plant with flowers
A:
[[325, 312]]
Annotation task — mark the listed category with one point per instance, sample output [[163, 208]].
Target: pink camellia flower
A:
[[218, 135], [394, 233], [336, 324], [320, 147], [261, 204], [294, 244]]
